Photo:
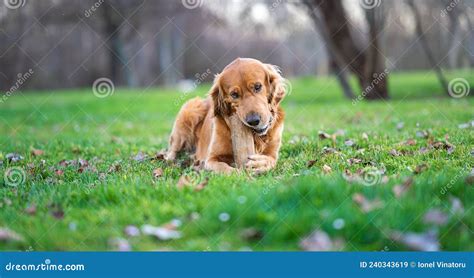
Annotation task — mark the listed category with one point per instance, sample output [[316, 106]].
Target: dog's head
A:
[[251, 89]]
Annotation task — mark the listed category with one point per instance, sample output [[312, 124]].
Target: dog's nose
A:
[[253, 119]]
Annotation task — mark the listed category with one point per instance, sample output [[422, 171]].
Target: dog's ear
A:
[[278, 84], [221, 107]]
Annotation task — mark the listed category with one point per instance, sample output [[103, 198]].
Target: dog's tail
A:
[[190, 117]]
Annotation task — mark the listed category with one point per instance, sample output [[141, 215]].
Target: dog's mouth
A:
[[261, 131]]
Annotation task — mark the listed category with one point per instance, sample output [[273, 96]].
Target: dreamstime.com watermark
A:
[[444, 12], [14, 4], [46, 266], [370, 4], [192, 4], [199, 78], [458, 88], [89, 12], [21, 79], [14, 176], [377, 79], [103, 87]]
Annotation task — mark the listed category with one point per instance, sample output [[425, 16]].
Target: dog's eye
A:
[[257, 87], [234, 95]]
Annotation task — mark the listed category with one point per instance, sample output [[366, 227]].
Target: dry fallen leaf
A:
[[9, 235], [157, 173], [366, 205], [31, 209], [435, 216], [120, 244], [250, 234], [456, 205], [311, 163], [410, 142], [323, 135], [418, 242], [326, 169], [420, 168], [320, 241], [36, 152], [13, 157], [202, 184], [400, 189], [132, 231], [161, 233], [365, 136]]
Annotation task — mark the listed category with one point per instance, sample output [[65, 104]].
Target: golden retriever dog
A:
[[253, 91]]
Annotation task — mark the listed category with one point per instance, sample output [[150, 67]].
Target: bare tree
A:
[[426, 47], [366, 63]]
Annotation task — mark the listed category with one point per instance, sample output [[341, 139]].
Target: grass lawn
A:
[[393, 179]]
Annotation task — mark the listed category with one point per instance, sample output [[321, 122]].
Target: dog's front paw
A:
[[259, 163], [170, 156]]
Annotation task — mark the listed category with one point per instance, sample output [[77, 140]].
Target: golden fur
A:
[[251, 89]]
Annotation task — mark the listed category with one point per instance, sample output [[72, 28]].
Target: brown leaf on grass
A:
[[323, 135], [13, 157], [140, 157], [320, 241], [160, 156], [456, 205], [9, 235], [36, 152], [161, 233], [435, 216], [114, 168], [395, 153], [202, 184], [349, 143], [56, 211], [327, 169], [132, 231], [418, 242], [400, 189], [365, 204], [327, 150], [354, 160], [157, 173], [120, 244], [251, 234], [422, 134], [440, 145], [31, 209], [311, 163], [410, 142], [365, 136], [59, 172], [420, 168]]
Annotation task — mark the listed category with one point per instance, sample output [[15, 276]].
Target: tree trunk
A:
[[426, 47], [366, 64]]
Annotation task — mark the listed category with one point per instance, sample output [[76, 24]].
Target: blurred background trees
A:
[[147, 43]]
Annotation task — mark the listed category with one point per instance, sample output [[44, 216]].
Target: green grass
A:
[[284, 205]]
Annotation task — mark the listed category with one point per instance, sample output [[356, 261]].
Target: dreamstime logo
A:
[[192, 4], [449, 7], [371, 176], [14, 4], [370, 4], [287, 87], [14, 176], [458, 88], [103, 87], [194, 178], [377, 78], [21, 79]]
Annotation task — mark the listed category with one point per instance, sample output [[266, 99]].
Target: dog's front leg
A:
[[212, 164]]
